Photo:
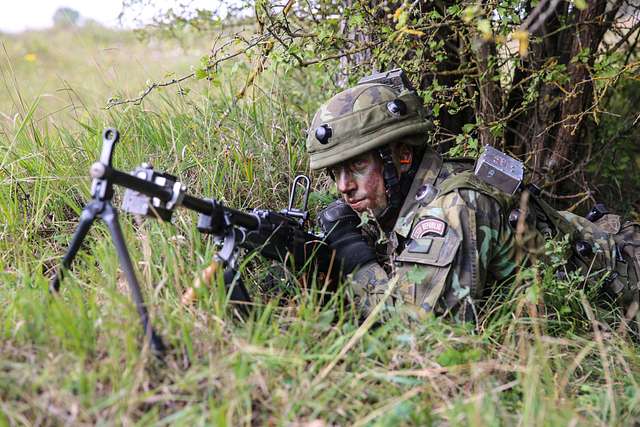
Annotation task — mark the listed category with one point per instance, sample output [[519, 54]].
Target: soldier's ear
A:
[[405, 157]]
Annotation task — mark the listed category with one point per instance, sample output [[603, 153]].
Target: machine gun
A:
[[277, 235]]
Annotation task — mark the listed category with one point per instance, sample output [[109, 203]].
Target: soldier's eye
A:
[[335, 171], [359, 164]]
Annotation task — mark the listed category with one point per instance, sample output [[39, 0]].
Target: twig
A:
[[147, 91], [212, 65], [487, 365], [250, 81], [577, 360], [579, 202], [540, 15], [624, 38], [340, 55], [568, 196]]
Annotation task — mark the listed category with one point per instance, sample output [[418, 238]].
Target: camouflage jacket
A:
[[451, 239]]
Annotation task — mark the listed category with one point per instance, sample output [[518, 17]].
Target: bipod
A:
[[101, 207], [219, 223]]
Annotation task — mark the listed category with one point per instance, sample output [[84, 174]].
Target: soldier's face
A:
[[361, 183]]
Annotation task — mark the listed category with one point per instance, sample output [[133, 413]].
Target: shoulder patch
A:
[[429, 226]]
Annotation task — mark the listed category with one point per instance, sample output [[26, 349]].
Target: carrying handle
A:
[[302, 214]]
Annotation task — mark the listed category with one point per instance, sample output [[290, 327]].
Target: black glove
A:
[[340, 224]]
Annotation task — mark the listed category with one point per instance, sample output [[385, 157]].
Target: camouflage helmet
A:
[[362, 118]]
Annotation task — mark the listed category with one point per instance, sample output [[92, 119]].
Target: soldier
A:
[[447, 232], [448, 235]]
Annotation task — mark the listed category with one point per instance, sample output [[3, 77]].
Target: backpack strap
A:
[[468, 181]]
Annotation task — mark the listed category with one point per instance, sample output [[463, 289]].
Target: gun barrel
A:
[[101, 171], [151, 189], [206, 207]]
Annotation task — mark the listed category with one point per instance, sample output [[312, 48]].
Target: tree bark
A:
[[490, 103]]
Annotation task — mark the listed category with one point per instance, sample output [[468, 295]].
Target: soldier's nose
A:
[[345, 182]]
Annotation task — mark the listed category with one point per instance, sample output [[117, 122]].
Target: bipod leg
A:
[[110, 216], [87, 217], [233, 282]]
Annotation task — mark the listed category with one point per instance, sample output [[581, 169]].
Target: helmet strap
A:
[[396, 187], [392, 188]]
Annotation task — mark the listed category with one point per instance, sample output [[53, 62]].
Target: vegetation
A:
[[66, 16], [540, 355], [545, 80]]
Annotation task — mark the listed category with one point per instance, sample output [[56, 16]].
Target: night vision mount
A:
[[395, 78]]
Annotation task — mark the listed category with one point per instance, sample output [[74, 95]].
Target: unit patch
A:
[[429, 226]]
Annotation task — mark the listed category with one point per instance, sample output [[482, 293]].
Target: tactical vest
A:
[[606, 252], [435, 254]]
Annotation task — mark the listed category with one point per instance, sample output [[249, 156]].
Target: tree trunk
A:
[[577, 103], [490, 103]]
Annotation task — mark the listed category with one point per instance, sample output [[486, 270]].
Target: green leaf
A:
[[580, 4], [497, 130], [484, 26], [364, 219], [416, 274], [454, 9], [533, 293], [356, 20], [453, 357], [321, 198], [201, 73], [469, 127], [469, 13]]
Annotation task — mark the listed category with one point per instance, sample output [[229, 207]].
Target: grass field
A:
[[76, 359]]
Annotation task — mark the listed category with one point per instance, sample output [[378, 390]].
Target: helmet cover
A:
[[362, 118]]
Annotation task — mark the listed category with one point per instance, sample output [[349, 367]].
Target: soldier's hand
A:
[[340, 224]]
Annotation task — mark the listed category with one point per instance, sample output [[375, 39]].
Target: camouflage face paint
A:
[[361, 183]]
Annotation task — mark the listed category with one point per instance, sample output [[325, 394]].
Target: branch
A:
[[339, 55], [566, 197], [212, 65], [624, 38], [112, 102], [539, 14], [272, 30], [610, 16]]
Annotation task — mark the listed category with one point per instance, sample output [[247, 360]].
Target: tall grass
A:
[[76, 358]]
